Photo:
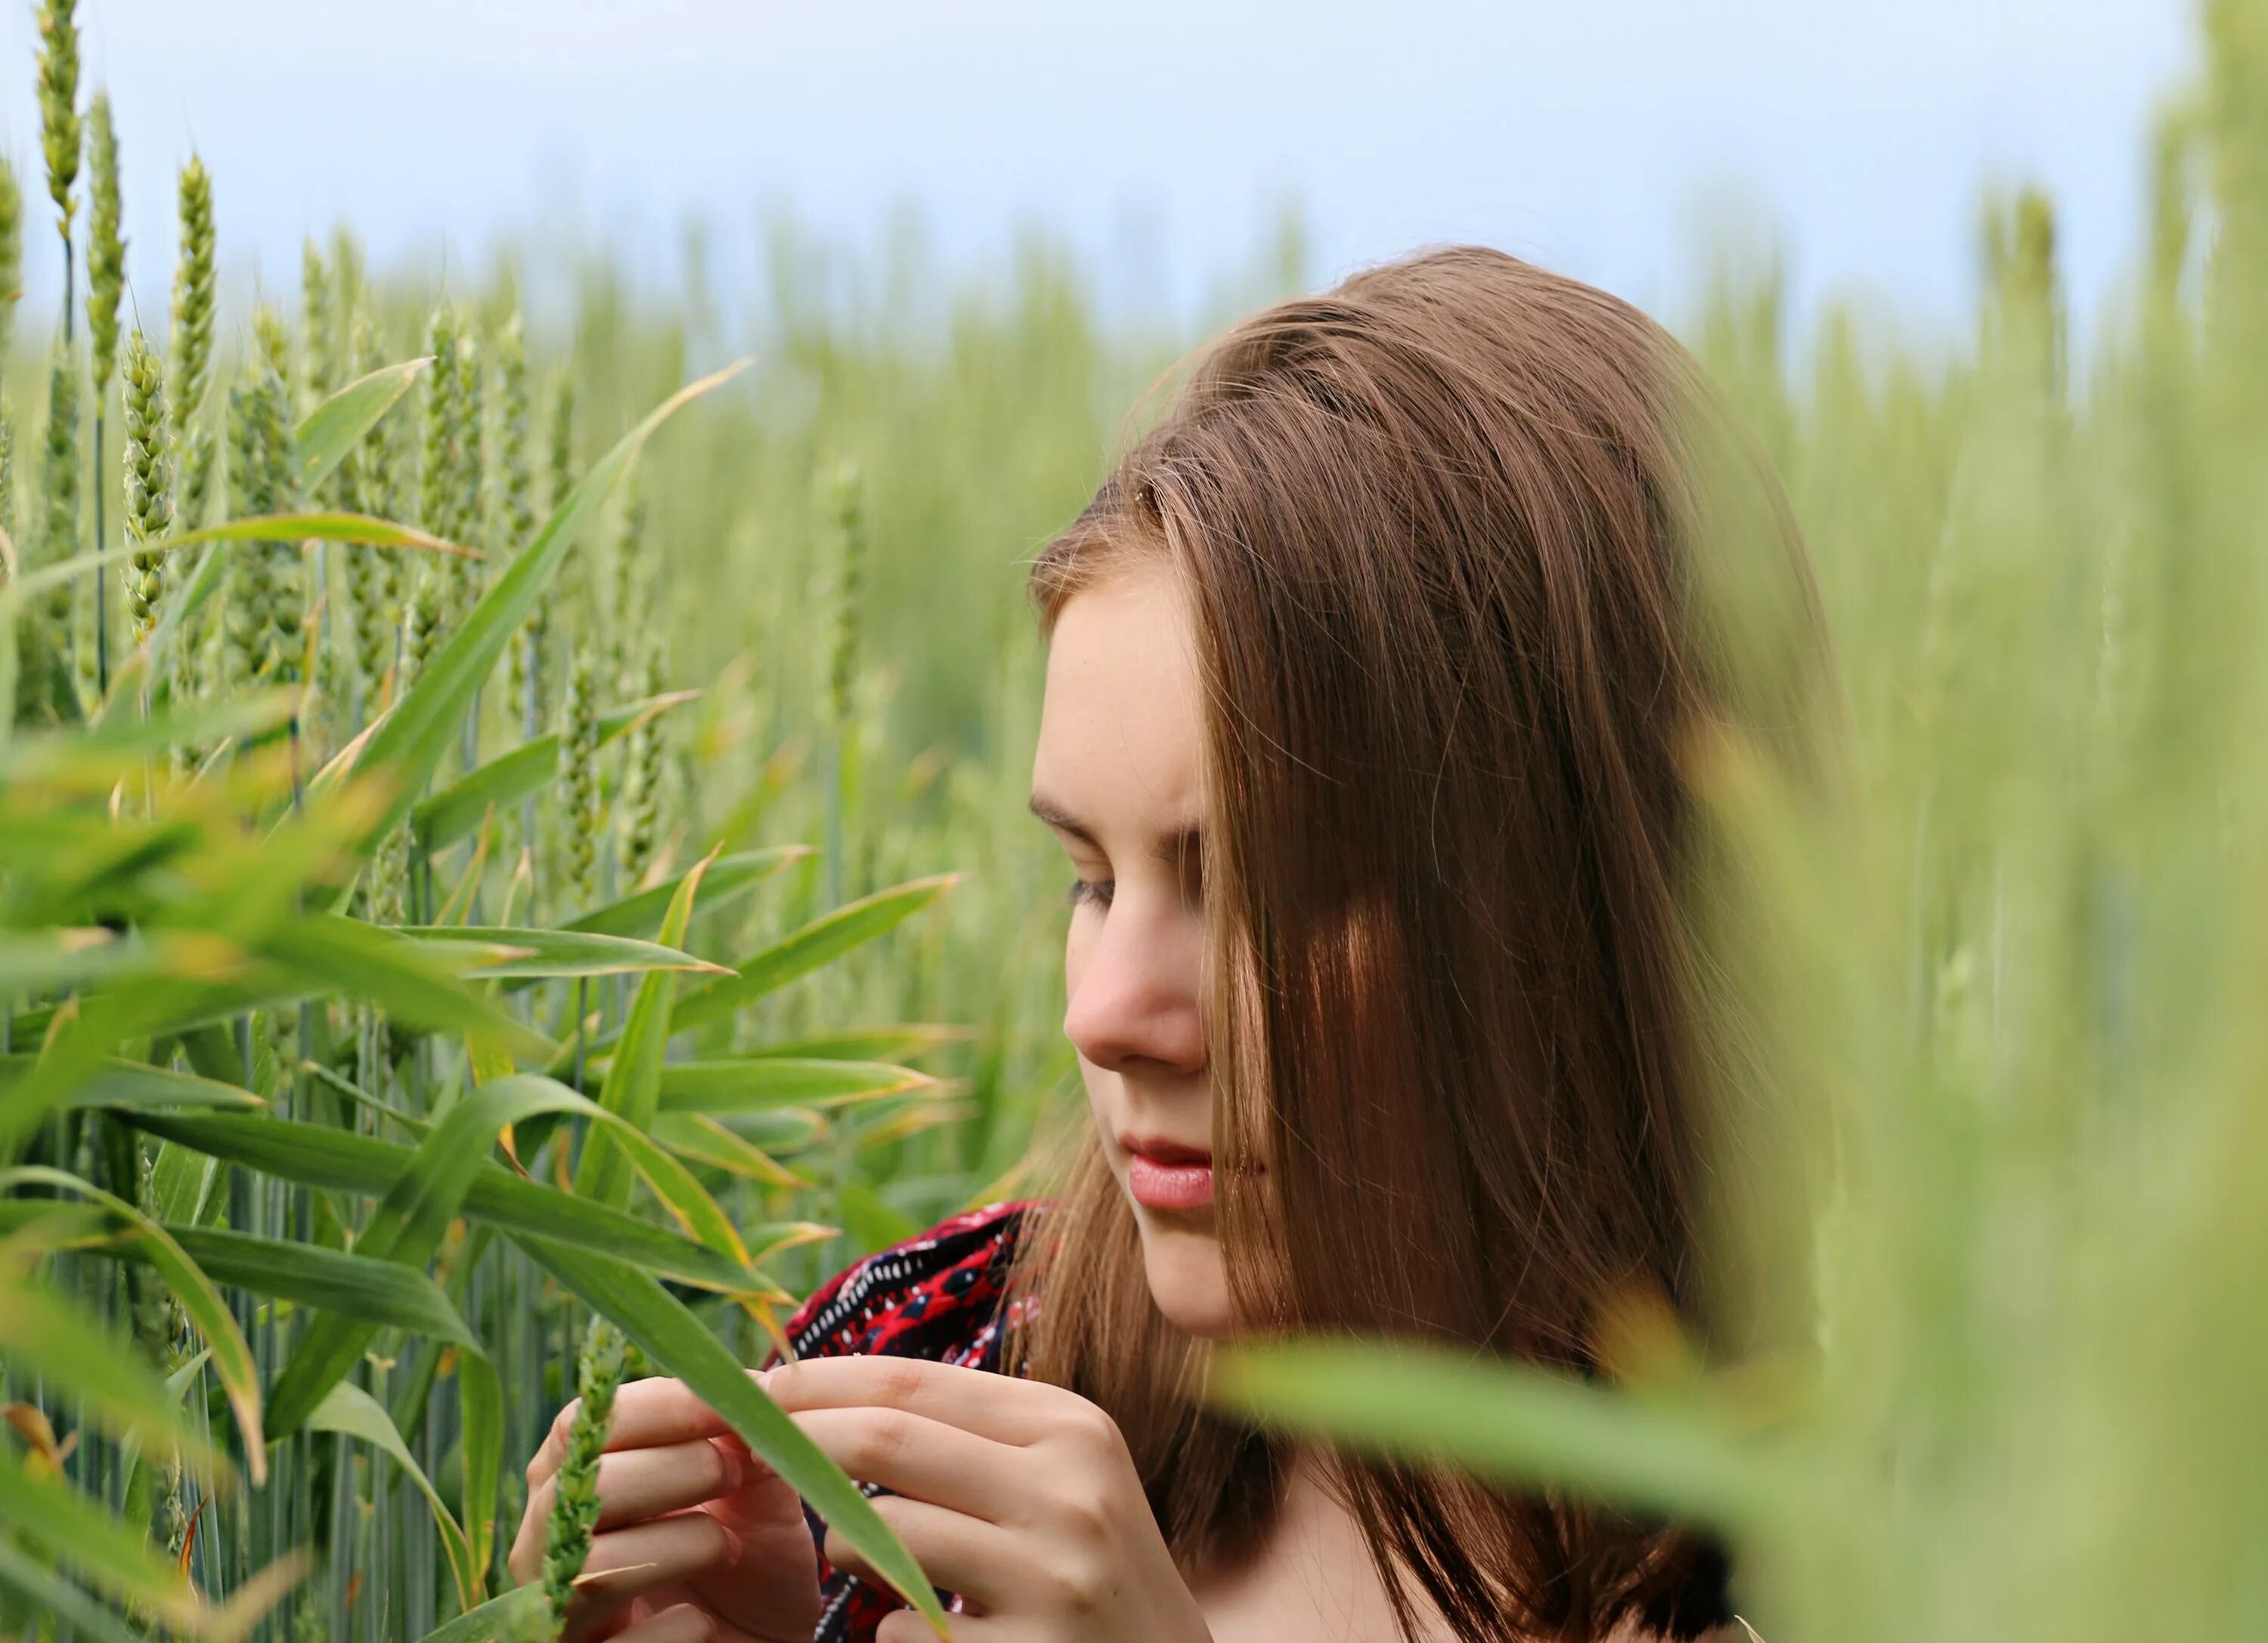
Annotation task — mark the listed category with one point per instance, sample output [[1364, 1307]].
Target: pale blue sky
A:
[[1584, 133]]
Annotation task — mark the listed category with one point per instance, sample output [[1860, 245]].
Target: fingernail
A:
[[734, 1471], [733, 1548]]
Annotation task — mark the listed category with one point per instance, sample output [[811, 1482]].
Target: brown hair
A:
[[1440, 529]]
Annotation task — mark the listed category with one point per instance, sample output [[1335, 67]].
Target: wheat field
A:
[[513, 867]]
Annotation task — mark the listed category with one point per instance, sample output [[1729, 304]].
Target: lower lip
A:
[[1158, 1186]]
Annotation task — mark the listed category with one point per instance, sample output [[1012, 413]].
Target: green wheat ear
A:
[[59, 118], [631, 577], [105, 245], [192, 340], [644, 770], [515, 519], [559, 478], [318, 351], [430, 604], [575, 1507], [7, 474], [846, 515], [374, 580], [59, 481], [578, 785], [149, 483], [267, 603], [11, 251], [467, 472]]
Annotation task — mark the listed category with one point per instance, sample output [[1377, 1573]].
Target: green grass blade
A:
[[671, 1182], [59, 961], [1515, 1422], [317, 1156], [48, 1594], [456, 812], [180, 1181], [200, 1301], [40, 1333], [498, 1620], [407, 1227], [332, 1280], [901, 1041], [412, 739], [390, 970], [480, 1419], [136, 1085], [762, 1082], [346, 1407], [120, 739], [632, 1091], [778, 1131], [641, 914], [334, 428], [71, 1528], [819, 942], [676, 1341], [490, 952]]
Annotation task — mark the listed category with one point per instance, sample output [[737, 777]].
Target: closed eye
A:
[[1081, 891]]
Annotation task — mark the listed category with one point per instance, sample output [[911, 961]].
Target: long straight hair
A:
[[1440, 531]]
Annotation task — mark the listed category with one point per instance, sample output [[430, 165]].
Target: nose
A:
[[1135, 992]]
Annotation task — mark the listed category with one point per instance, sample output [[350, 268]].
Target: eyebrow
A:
[[1171, 848]]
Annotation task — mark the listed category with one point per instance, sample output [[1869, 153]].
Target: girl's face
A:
[[1116, 779]]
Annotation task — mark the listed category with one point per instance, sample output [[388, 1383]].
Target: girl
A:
[[1371, 671]]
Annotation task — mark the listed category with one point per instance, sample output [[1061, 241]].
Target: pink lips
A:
[[1167, 1175]]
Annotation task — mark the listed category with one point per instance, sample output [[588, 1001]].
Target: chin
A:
[[1187, 1279]]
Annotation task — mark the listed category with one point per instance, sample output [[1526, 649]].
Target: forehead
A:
[[1120, 731]]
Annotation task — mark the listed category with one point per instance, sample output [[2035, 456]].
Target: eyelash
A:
[[1082, 891]]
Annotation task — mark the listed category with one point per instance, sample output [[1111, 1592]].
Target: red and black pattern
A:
[[937, 1296]]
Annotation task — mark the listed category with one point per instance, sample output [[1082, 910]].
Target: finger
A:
[[636, 1484], [684, 1624], [1006, 1409], [655, 1410], [980, 1560], [661, 1550], [928, 1459]]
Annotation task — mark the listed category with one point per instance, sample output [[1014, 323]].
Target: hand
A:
[[698, 1541], [1017, 1495]]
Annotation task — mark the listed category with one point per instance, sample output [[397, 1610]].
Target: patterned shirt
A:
[[938, 1295]]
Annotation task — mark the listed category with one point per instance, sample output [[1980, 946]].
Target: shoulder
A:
[[938, 1295]]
